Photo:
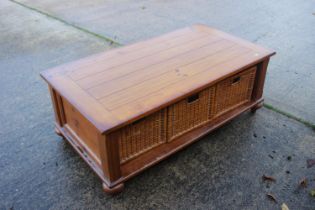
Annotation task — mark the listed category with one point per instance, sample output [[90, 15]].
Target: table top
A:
[[118, 86]]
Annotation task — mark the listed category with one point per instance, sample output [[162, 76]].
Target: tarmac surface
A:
[[224, 170]]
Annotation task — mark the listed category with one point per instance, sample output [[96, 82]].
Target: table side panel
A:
[[82, 128]]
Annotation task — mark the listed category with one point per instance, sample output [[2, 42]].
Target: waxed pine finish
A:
[[126, 109]]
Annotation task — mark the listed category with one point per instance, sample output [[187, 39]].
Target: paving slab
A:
[[288, 26], [39, 170]]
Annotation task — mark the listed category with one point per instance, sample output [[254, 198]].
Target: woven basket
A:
[[234, 91], [190, 113], [142, 135], [185, 115]]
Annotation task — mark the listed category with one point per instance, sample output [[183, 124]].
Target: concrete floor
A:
[[222, 171]]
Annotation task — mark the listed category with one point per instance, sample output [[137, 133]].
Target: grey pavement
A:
[[39, 170], [287, 26]]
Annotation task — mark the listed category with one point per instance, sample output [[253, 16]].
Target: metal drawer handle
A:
[[193, 98]]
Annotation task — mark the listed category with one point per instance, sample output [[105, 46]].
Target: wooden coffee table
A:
[[126, 109]]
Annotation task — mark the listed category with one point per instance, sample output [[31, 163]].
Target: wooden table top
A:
[[115, 87]]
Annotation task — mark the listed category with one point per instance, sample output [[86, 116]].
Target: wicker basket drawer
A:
[[234, 91], [141, 136], [190, 113]]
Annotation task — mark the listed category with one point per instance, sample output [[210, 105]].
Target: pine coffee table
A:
[[126, 109]]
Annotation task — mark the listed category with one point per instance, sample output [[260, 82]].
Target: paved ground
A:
[[287, 26], [222, 171]]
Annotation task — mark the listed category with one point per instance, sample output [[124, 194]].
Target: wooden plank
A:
[[141, 75], [99, 57], [125, 58], [147, 87], [145, 62]]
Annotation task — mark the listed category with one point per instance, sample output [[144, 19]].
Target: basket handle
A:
[[138, 121], [236, 80], [193, 98]]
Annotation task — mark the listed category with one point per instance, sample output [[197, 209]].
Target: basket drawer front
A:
[[234, 91], [189, 113], [141, 136]]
